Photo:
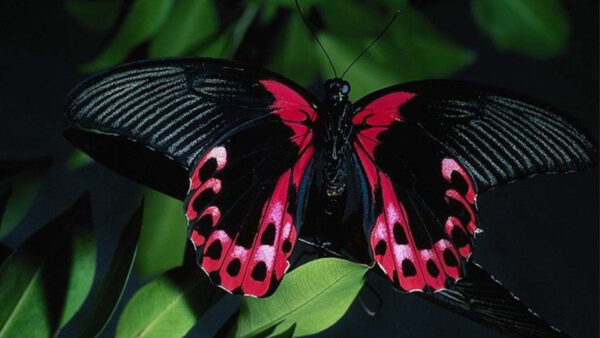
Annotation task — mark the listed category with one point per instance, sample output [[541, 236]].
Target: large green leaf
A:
[[94, 14], [142, 22], [412, 49], [313, 297], [536, 28], [112, 287], [45, 281], [169, 306], [19, 184], [296, 56], [164, 235], [189, 23]]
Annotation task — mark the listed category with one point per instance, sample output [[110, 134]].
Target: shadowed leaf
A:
[[110, 291], [539, 29], [78, 159], [169, 306], [313, 297], [45, 281], [142, 22], [164, 235], [94, 14], [19, 184], [189, 23]]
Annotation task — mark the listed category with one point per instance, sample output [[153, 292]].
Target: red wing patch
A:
[[402, 242], [255, 269]]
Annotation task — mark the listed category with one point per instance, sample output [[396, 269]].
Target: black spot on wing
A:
[[214, 250], [268, 236], [380, 248], [449, 258], [208, 169], [432, 268], [233, 268], [287, 246], [202, 200], [259, 272], [408, 268], [399, 234]]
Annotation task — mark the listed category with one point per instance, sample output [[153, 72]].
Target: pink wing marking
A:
[[453, 226], [219, 154], [251, 271], [383, 111]]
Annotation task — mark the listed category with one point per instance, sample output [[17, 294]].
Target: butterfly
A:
[[403, 165]]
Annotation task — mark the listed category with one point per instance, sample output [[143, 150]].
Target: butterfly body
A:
[[403, 165], [332, 142]]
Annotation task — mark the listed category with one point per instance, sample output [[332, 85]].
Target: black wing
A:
[[496, 134], [243, 134], [427, 148], [482, 298]]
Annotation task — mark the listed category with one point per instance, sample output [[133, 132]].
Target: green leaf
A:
[[289, 333], [78, 159], [164, 235], [217, 48], [94, 14], [169, 306], [539, 28], [314, 296], [226, 44], [283, 3], [142, 22], [411, 50], [189, 23], [19, 185], [111, 290], [45, 281], [296, 57], [357, 20]]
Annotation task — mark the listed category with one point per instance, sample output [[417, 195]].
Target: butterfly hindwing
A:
[[245, 136]]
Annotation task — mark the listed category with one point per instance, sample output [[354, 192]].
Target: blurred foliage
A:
[[95, 14], [44, 282], [113, 285], [539, 29], [164, 235], [19, 185]]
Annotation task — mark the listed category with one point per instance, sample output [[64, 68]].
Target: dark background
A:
[[541, 235]]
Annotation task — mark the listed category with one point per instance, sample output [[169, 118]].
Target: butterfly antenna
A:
[[315, 37], [372, 42]]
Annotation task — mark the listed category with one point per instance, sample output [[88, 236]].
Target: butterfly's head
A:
[[337, 89]]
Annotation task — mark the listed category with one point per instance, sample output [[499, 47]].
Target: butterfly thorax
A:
[[335, 128]]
